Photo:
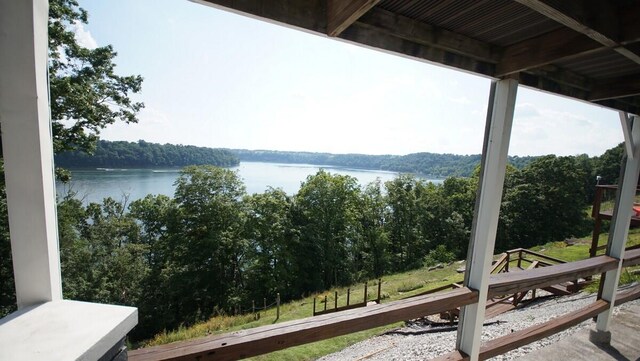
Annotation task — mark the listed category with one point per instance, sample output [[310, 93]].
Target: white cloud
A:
[[526, 110], [83, 36]]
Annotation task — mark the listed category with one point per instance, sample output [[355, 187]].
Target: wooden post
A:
[[348, 295], [520, 259], [253, 308], [314, 305], [278, 306], [335, 301], [506, 265], [365, 293], [325, 302], [597, 226], [379, 289], [502, 100]]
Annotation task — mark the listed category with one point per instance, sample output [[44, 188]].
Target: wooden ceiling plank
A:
[[378, 39], [606, 17], [565, 19], [616, 88], [341, 14], [429, 35], [545, 49]]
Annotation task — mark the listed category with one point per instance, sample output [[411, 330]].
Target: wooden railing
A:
[[598, 215], [265, 339], [349, 305], [261, 340]]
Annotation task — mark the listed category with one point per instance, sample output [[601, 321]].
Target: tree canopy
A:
[[86, 92], [144, 154]]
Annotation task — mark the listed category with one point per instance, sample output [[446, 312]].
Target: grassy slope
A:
[[394, 287]]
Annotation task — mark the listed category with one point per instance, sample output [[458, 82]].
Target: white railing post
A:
[[28, 151], [485, 222], [621, 218]]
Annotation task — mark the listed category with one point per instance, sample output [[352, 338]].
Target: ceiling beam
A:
[[425, 34], [616, 88], [557, 83], [341, 14], [373, 37], [602, 26], [545, 49], [298, 14]]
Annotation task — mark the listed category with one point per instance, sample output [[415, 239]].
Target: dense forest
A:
[[110, 154], [429, 164], [143, 154], [211, 247]]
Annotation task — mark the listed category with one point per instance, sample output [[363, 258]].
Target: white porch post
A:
[[27, 150], [485, 222], [621, 214]]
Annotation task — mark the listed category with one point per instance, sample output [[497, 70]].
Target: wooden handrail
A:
[[509, 283], [520, 338], [523, 337], [543, 256], [261, 340], [265, 339], [499, 262], [631, 257], [627, 295]]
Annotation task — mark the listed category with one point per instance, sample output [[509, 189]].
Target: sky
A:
[[217, 79]]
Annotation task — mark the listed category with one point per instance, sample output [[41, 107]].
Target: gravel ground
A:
[[415, 344]]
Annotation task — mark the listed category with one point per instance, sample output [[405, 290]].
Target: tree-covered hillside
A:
[[143, 154], [430, 164]]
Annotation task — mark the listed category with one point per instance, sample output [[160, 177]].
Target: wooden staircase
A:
[[514, 261]]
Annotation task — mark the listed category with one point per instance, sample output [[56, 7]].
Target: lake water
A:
[[96, 184]]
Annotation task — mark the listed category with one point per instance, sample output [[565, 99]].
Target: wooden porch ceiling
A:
[[583, 49]]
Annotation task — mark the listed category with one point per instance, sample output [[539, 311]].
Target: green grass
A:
[[394, 287]]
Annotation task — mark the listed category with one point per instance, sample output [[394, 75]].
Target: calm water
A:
[[94, 185]]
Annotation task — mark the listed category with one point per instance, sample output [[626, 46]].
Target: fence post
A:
[[278, 306], [520, 259], [365, 293], [379, 288], [335, 301], [506, 265], [325, 302], [348, 295], [314, 305]]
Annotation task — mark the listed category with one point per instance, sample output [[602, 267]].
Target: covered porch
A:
[[585, 50]]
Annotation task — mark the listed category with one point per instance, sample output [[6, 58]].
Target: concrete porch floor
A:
[[625, 342]]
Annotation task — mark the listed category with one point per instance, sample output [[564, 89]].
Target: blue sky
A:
[[217, 79]]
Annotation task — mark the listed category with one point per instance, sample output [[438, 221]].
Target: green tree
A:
[[326, 215], [102, 259], [271, 265], [86, 93], [372, 251], [403, 223], [546, 203], [207, 259], [156, 217], [608, 165]]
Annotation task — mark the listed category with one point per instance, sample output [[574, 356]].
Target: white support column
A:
[[621, 218], [27, 150], [485, 223]]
